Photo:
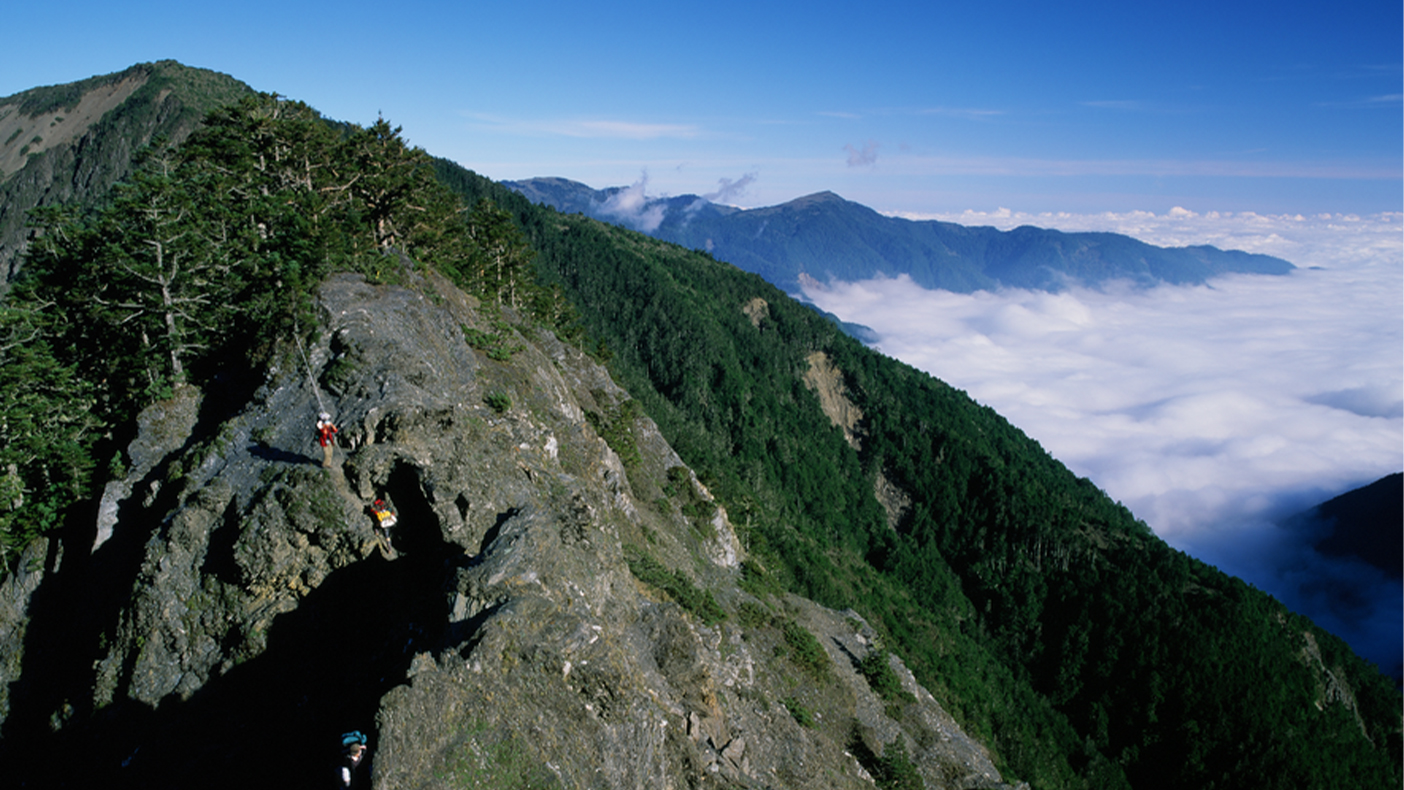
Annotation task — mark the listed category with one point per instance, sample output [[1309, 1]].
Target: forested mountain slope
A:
[[1054, 621], [1367, 523], [545, 613], [826, 237], [1057, 629]]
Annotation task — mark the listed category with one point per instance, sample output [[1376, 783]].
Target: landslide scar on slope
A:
[[757, 310], [827, 382], [24, 135]]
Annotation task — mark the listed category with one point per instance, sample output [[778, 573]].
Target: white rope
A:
[[297, 335]]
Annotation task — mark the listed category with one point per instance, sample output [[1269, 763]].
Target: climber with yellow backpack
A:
[[384, 518]]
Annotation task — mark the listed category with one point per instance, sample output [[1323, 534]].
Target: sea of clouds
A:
[[1213, 412]]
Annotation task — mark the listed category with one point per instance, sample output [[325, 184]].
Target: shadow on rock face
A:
[[267, 453], [275, 719], [418, 529]]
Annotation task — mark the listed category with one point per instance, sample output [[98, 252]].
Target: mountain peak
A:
[[825, 196], [831, 237], [46, 132]]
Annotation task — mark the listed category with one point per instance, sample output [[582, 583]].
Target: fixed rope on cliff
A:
[[326, 429], [316, 393]]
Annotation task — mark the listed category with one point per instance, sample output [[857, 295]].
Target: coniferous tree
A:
[[46, 429], [501, 257], [162, 272], [210, 254]]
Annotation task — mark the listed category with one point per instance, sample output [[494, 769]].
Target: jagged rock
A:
[[244, 610], [162, 429]]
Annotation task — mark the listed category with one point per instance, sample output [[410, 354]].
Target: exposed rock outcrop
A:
[[531, 620]]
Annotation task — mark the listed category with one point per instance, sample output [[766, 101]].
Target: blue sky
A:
[[907, 107]]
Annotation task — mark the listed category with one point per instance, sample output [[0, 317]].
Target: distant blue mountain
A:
[[826, 237]]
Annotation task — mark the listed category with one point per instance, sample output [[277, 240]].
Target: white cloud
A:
[[866, 157], [1378, 168], [630, 206], [627, 130], [728, 190], [1316, 240], [1388, 101], [1116, 104], [969, 113], [1211, 411]]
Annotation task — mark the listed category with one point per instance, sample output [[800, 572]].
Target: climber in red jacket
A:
[[326, 433]]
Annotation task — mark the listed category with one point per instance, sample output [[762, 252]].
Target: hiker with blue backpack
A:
[[353, 751]]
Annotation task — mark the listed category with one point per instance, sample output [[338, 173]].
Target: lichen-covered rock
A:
[[556, 606]]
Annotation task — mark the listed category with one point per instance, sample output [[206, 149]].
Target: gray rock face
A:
[[241, 609]]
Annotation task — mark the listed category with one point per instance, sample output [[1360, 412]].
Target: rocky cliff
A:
[[552, 609]]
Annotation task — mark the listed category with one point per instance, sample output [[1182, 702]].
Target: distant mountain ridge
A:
[[1366, 523], [827, 237]]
